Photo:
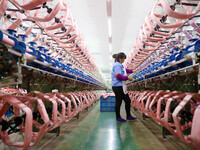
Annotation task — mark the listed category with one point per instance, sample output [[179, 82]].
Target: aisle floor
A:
[[96, 130]]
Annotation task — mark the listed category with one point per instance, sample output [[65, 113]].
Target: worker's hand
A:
[[130, 79], [135, 70]]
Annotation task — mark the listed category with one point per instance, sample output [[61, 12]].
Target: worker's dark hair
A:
[[118, 56], [114, 56]]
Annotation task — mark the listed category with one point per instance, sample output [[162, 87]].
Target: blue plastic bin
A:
[[8, 113], [108, 104]]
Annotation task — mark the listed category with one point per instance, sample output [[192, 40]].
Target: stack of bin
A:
[[108, 104]]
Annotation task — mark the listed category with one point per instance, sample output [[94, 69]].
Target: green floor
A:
[[97, 130]]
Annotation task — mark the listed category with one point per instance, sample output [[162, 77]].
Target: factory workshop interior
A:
[[99, 74]]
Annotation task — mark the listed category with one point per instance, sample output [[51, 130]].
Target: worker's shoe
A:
[[131, 118], [120, 120]]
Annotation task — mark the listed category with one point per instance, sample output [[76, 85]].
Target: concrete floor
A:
[[96, 130]]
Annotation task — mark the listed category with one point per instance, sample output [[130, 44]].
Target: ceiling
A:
[[127, 18]]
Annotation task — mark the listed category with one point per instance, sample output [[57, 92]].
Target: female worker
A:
[[119, 78]]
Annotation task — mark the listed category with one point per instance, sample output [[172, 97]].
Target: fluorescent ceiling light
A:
[[109, 27], [109, 7]]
